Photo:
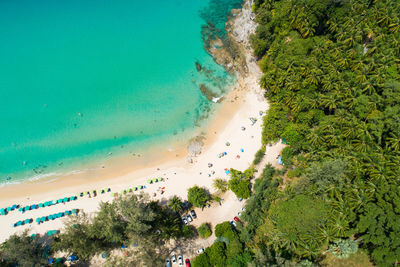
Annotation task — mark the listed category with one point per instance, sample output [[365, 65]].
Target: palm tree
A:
[[220, 184], [175, 204]]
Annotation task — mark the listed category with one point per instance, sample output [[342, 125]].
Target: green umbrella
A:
[[113, 194], [149, 181], [155, 180]]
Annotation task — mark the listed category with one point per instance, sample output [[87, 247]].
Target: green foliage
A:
[[240, 183], [201, 260], [198, 196], [204, 230], [22, 250], [343, 248], [287, 156], [127, 220], [240, 260], [79, 238], [216, 254], [292, 222], [323, 178], [175, 204], [379, 224], [332, 79], [265, 190], [259, 156], [222, 228], [220, 184]]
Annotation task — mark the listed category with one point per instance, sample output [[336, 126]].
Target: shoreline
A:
[[244, 101], [125, 164]]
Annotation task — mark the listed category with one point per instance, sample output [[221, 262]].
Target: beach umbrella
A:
[[27, 208], [60, 200], [13, 207], [41, 205], [108, 189], [27, 221], [149, 181], [66, 199], [155, 180], [21, 209], [43, 218], [50, 217], [102, 191], [19, 223], [8, 209], [74, 211], [2, 210], [38, 220]]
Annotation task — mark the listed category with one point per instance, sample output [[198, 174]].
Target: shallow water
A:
[[81, 79]]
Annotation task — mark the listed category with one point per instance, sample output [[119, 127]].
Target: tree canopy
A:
[[198, 196]]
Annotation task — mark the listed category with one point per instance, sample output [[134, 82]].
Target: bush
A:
[[259, 156], [287, 157], [216, 254], [240, 183], [201, 260], [222, 228], [198, 196], [343, 248], [204, 230]]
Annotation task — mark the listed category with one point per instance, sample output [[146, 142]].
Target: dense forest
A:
[[332, 78]]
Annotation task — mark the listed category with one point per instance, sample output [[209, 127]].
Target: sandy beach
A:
[[230, 131]]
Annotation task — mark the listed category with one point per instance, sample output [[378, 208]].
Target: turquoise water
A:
[[80, 79]]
